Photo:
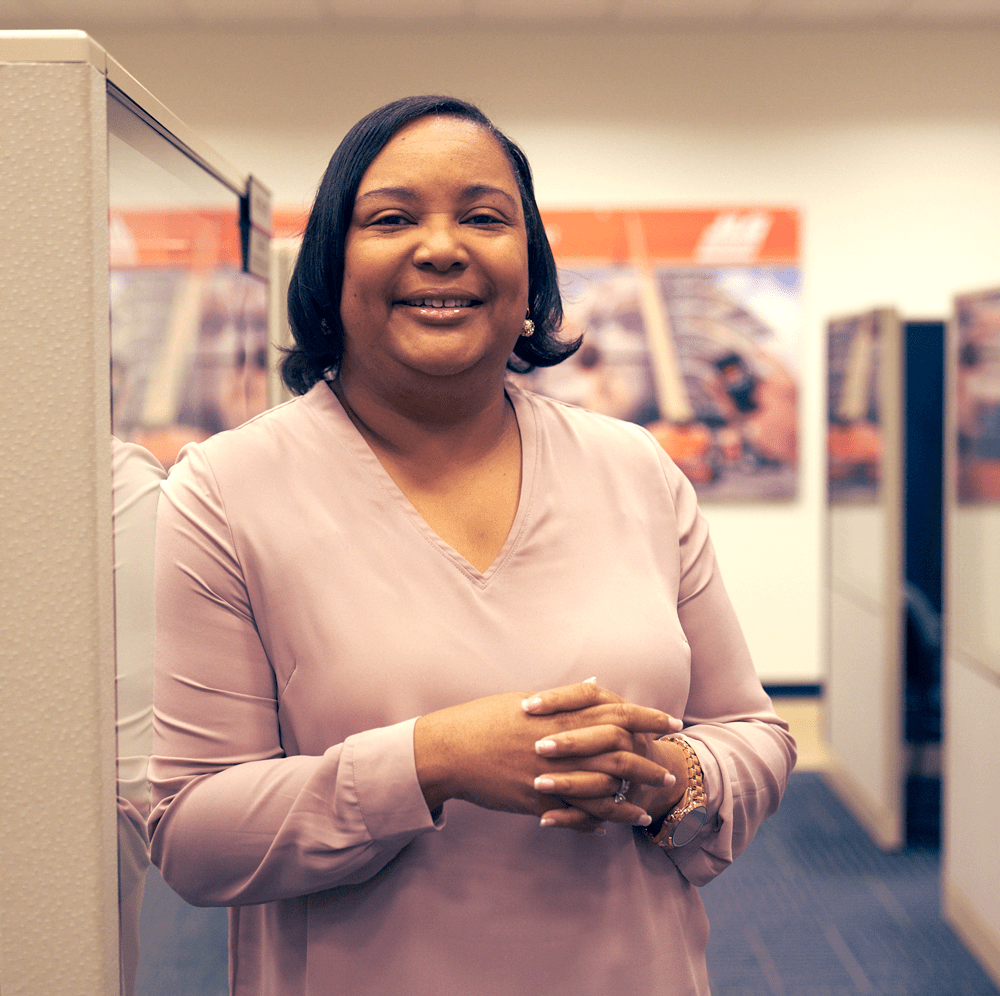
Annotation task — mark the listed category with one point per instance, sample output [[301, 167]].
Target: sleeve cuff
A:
[[385, 778], [714, 786]]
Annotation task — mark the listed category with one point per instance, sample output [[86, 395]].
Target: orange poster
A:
[[690, 321], [188, 328]]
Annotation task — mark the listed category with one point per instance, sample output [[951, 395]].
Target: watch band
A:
[[682, 823]]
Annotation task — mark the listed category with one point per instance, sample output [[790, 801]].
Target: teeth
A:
[[437, 302]]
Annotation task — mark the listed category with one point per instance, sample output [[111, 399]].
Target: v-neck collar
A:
[[357, 445]]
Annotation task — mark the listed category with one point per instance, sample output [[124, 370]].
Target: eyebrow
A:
[[409, 194]]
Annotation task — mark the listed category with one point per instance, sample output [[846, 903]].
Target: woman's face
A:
[[436, 258]]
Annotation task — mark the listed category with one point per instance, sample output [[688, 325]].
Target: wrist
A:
[[658, 802], [681, 824], [434, 775]]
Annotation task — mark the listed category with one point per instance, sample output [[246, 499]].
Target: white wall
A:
[[889, 142]]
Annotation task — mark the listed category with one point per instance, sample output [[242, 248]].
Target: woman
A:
[[359, 589]]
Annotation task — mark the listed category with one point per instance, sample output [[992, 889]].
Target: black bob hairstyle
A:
[[317, 280]]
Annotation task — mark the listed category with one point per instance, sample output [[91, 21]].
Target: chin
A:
[[449, 362]]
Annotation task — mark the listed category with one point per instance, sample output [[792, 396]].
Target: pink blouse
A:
[[307, 615]]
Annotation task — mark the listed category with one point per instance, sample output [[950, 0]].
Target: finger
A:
[[572, 818], [608, 749], [609, 811], [600, 776], [627, 715], [578, 784], [587, 741], [568, 698]]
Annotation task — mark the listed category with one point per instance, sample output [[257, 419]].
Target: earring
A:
[[528, 328], [324, 328]]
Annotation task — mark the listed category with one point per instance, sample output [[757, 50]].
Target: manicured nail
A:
[[590, 681], [545, 746], [644, 820], [543, 783], [532, 703], [547, 821], [676, 724], [669, 780]]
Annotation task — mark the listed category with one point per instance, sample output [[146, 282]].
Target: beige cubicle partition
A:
[[971, 860], [59, 912], [864, 683]]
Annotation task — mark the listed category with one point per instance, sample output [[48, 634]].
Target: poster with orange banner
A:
[[188, 328], [690, 321]]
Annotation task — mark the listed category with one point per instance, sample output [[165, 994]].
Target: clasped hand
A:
[[560, 754]]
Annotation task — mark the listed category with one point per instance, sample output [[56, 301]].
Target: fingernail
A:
[[669, 780], [676, 724], [644, 820], [543, 783], [532, 703], [547, 821], [590, 681], [544, 746], [600, 832]]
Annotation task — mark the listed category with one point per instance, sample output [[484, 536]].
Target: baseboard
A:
[[795, 690], [978, 936], [883, 826]]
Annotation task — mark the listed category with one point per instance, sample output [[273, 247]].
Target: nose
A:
[[441, 246]]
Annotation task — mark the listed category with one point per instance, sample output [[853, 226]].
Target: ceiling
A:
[[186, 14]]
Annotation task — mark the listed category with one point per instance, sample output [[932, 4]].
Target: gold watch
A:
[[681, 825]]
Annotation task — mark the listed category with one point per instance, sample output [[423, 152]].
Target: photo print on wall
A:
[[691, 325], [977, 396]]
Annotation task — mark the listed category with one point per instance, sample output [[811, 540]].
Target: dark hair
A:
[[317, 280]]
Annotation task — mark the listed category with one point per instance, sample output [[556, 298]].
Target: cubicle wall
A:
[[885, 597], [64, 103], [864, 684], [59, 929], [971, 881]]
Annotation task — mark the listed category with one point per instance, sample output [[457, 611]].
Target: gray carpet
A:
[[813, 908]]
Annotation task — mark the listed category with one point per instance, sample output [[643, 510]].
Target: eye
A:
[[482, 218], [391, 219]]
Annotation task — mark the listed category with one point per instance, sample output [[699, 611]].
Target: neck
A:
[[405, 422]]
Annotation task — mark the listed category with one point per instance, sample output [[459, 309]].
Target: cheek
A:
[[516, 274]]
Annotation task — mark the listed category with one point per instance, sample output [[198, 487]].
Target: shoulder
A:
[[133, 468], [571, 431], [263, 448]]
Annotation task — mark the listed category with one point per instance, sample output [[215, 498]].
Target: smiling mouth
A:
[[441, 302]]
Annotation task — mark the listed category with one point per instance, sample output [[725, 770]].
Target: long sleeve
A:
[[745, 749], [235, 820], [136, 477]]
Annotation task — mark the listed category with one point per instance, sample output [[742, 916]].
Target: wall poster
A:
[[977, 328], [691, 329], [188, 328], [854, 429]]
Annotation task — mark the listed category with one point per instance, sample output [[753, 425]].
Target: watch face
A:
[[690, 824]]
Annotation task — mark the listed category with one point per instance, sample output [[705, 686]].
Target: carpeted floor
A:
[[813, 908]]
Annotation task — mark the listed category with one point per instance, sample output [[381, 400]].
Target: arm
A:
[[234, 820], [745, 749]]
